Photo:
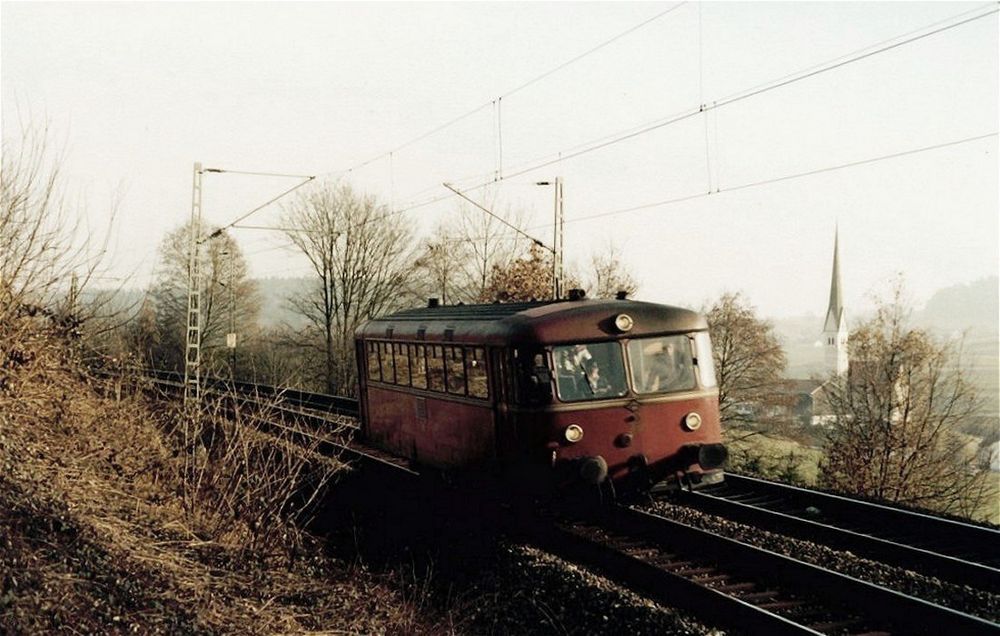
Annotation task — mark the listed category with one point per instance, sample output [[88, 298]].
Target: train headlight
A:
[[573, 433], [624, 323], [692, 421]]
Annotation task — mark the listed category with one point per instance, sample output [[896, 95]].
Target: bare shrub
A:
[[248, 478]]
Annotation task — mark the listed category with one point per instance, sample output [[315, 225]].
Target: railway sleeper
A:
[[759, 596], [715, 578], [694, 572], [781, 605], [836, 626], [730, 588]]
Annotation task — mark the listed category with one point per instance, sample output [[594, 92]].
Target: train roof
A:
[[540, 322]]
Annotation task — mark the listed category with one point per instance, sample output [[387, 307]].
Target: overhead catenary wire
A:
[[274, 228], [256, 174], [784, 81], [500, 218], [701, 195], [772, 180], [260, 207], [788, 79], [635, 131], [496, 101], [638, 130], [593, 50], [867, 48]]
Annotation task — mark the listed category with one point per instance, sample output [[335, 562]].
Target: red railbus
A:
[[546, 394]]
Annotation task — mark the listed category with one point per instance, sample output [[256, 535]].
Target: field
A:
[[790, 460]]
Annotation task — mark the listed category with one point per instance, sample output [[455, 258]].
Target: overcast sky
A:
[[138, 92]]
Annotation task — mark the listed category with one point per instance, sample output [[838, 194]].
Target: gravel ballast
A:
[[961, 598]]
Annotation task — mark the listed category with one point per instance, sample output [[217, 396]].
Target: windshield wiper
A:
[[586, 378]]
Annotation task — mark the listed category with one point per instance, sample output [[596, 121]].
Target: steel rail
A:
[[962, 553], [741, 586], [318, 405]]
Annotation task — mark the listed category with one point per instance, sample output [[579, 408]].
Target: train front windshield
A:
[[660, 364], [594, 371]]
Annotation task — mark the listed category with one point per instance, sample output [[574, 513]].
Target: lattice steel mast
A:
[[192, 349]]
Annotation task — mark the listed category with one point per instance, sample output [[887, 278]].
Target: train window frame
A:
[[401, 359], [418, 360], [451, 378], [475, 358], [436, 371], [529, 386], [387, 359], [374, 370]]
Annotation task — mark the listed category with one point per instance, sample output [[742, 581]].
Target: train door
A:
[[502, 394]]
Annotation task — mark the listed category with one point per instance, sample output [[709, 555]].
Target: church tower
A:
[[835, 327]]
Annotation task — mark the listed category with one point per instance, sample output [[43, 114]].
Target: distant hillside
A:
[[274, 294], [974, 305], [968, 311]]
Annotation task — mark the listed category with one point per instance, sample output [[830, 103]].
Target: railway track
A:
[[740, 586], [313, 409], [721, 580], [962, 553]]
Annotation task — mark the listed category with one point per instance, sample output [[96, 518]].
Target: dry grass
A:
[[110, 525]]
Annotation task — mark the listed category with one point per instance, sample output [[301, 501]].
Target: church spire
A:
[[835, 311], [835, 328]]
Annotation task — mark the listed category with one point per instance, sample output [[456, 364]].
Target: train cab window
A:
[[593, 371], [399, 353], [435, 368], [475, 372], [385, 354], [534, 384], [661, 364], [455, 370], [418, 367], [704, 360], [374, 372]]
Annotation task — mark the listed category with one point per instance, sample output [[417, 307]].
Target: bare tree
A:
[[898, 412], [361, 257], [227, 294], [41, 252], [46, 261], [488, 244], [749, 362], [610, 274], [440, 269], [528, 278]]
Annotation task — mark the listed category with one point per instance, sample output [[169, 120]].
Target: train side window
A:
[[418, 367], [435, 368], [475, 371], [455, 370], [374, 372], [385, 353], [402, 364], [704, 359]]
